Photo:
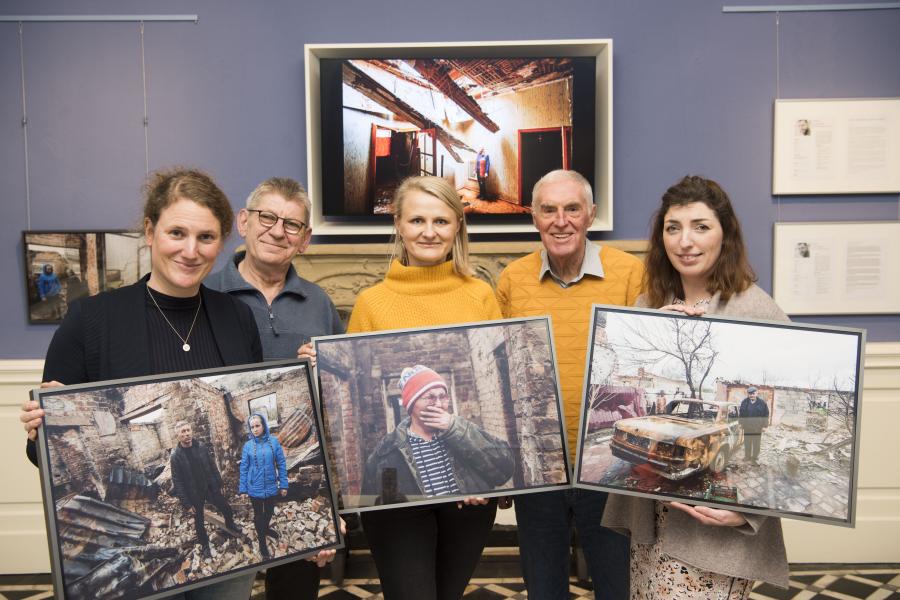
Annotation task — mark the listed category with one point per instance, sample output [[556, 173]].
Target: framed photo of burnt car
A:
[[756, 416], [63, 266], [426, 415], [156, 485]]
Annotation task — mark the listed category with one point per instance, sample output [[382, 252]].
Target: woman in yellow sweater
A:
[[427, 552]]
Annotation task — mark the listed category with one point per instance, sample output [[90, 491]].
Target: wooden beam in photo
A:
[[439, 77], [376, 92]]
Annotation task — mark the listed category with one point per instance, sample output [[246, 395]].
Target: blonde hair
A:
[[443, 191]]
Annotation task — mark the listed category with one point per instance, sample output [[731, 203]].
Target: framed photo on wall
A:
[[755, 416], [156, 485], [63, 266], [426, 415], [832, 268], [378, 113], [836, 146]]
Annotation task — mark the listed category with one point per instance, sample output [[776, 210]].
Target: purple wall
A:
[[693, 94]]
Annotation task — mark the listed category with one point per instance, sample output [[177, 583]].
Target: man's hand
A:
[[437, 418], [307, 351], [712, 516]]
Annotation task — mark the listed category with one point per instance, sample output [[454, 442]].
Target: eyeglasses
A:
[[435, 398], [268, 219]]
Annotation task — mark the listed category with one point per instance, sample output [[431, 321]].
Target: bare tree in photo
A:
[[689, 343], [842, 409]]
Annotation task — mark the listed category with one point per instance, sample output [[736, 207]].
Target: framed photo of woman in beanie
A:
[[425, 415]]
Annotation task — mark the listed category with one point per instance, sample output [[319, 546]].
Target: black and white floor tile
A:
[[822, 582]]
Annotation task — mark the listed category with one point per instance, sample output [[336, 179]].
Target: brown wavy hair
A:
[[167, 186], [732, 272]]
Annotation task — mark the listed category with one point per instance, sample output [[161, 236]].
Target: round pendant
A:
[[186, 347]]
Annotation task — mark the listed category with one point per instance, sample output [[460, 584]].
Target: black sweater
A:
[[107, 337]]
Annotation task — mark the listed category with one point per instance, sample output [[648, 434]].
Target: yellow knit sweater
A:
[[522, 294], [422, 297]]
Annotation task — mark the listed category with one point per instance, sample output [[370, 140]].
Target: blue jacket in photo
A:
[[263, 467]]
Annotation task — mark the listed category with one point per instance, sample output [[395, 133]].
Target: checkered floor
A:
[[842, 582], [806, 584]]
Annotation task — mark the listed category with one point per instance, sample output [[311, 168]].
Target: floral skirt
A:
[[656, 576]]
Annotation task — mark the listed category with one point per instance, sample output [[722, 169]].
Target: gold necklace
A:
[[184, 340]]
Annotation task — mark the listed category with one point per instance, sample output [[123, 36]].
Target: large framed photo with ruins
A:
[[427, 415], [751, 415], [156, 485], [63, 266]]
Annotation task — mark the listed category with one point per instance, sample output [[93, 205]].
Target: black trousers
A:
[[427, 552], [298, 580], [213, 496], [482, 187], [263, 509], [751, 445]]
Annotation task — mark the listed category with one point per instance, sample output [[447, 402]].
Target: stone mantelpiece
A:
[[344, 270]]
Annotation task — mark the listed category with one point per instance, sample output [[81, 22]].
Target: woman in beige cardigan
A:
[[697, 264]]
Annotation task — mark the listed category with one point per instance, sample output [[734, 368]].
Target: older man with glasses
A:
[[288, 310]]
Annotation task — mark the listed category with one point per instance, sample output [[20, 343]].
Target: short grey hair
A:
[[587, 194], [289, 189], [181, 424]]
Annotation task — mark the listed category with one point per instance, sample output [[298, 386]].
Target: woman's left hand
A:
[[307, 351], [472, 501], [712, 516], [691, 311], [283, 492]]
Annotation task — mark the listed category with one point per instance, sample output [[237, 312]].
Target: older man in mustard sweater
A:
[[562, 280]]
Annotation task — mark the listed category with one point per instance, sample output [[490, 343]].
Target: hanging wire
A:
[[778, 85], [25, 128], [146, 117]]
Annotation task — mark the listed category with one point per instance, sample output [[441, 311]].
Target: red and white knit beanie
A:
[[416, 381]]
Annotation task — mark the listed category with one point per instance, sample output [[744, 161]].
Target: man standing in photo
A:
[[482, 170], [754, 417], [196, 480], [563, 279]]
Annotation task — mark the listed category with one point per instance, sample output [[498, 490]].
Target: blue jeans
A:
[[236, 588], [545, 522]]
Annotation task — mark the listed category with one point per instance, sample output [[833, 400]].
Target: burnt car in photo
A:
[[691, 437]]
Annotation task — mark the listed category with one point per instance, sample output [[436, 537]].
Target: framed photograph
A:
[[427, 415], [837, 146], [156, 485], [837, 268], [750, 415], [62, 266], [379, 113]]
